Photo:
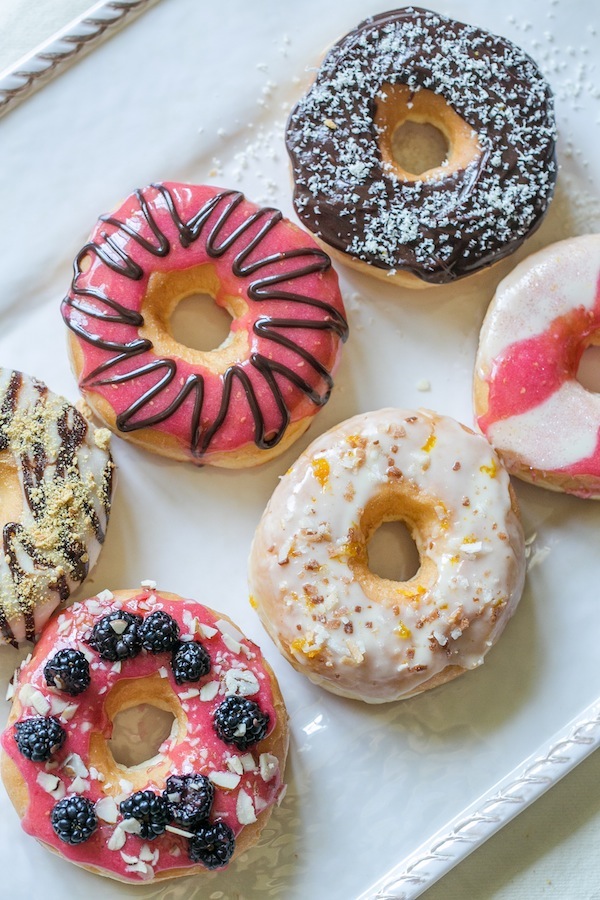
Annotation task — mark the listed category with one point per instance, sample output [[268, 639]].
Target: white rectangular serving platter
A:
[[381, 801]]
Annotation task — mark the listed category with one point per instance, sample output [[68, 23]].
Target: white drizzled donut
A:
[[351, 631], [529, 404], [56, 478]]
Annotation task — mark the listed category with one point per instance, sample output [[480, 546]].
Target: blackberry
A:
[[117, 636], [241, 722], [74, 819], [190, 798], [39, 737], [212, 845], [190, 662], [151, 811], [69, 671], [159, 632]]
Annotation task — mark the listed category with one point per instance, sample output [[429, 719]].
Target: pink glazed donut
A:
[[242, 403], [528, 401], [207, 794]]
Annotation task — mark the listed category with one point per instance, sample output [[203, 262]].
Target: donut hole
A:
[[588, 372], [199, 323], [387, 558], [186, 308], [154, 713], [419, 146], [11, 504], [392, 552], [138, 733], [420, 136]]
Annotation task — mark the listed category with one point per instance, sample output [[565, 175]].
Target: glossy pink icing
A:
[[530, 370], [323, 344], [200, 750]]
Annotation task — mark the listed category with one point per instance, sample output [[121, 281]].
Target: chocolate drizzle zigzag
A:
[[210, 222]]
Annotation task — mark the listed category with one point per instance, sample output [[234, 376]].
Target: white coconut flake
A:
[[230, 629], [117, 839], [226, 780], [69, 711], [191, 692], [79, 786], [75, 766], [63, 625], [32, 697], [148, 583], [47, 781], [131, 826], [107, 810], [232, 644], [241, 682], [141, 868], [105, 596], [209, 690], [244, 809], [206, 630], [129, 859], [268, 765], [234, 764], [174, 830], [248, 762], [118, 625], [163, 672]]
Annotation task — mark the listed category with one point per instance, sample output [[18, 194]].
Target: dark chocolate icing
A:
[[211, 222], [439, 230]]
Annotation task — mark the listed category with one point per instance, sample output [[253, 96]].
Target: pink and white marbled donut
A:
[[243, 402], [528, 401]]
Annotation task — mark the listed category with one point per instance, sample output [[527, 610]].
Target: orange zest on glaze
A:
[[413, 593], [403, 632], [429, 444], [320, 469], [491, 470], [298, 646]]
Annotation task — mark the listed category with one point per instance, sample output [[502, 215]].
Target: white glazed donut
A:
[[544, 424], [351, 631]]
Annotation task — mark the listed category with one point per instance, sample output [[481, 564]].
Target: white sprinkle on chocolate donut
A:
[[490, 103]]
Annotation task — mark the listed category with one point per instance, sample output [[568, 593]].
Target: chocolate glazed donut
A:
[[491, 103]]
